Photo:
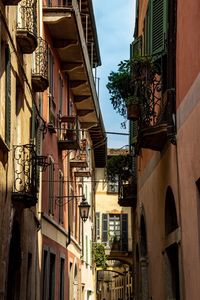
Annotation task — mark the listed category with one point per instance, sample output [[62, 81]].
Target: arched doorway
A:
[[171, 249]]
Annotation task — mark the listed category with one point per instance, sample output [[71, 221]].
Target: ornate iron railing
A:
[[26, 16], [40, 67], [24, 162], [149, 90], [68, 128]]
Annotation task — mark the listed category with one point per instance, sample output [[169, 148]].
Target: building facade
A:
[[165, 139], [52, 138], [114, 232], [18, 159]]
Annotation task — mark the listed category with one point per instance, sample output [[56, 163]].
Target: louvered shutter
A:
[[124, 232], [159, 11], [133, 132], [97, 225], [147, 32], [8, 96], [104, 228], [136, 47]]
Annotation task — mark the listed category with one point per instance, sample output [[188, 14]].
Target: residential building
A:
[[19, 168], [52, 138], [165, 138], [114, 231], [75, 144]]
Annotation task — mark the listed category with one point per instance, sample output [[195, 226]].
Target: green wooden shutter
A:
[[8, 96], [147, 32], [133, 132], [104, 228], [136, 47], [124, 232], [97, 225], [159, 24]]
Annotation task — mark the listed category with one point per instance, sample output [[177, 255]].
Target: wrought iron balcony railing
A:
[[155, 113], [81, 159], [27, 25], [40, 67], [26, 165], [128, 193], [68, 133], [24, 184]]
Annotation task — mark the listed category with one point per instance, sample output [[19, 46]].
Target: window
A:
[[51, 73], [115, 229], [52, 276], [60, 95], [112, 187], [62, 281], [45, 276], [51, 185], [60, 195], [52, 105], [114, 226], [8, 95]]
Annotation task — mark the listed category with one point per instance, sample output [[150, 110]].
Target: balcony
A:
[[25, 176], [68, 134], [40, 68], [155, 124], [82, 172], [80, 160], [154, 137], [26, 34], [127, 194], [52, 115], [68, 32]]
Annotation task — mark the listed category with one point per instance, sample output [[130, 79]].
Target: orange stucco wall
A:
[[188, 46], [176, 166]]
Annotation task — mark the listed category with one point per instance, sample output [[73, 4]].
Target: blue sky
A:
[[115, 27]]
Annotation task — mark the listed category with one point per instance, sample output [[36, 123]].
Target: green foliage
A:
[[121, 87], [116, 166], [99, 255], [131, 83]]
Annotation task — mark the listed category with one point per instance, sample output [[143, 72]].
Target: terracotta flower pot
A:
[[133, 111]]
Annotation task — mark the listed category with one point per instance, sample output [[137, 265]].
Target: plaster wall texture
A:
[[189, 172], [154, 180]]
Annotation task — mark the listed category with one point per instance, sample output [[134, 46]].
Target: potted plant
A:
[[126, 86]]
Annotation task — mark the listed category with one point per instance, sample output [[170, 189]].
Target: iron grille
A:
[[26, 16], [24, 163], [41, 59]]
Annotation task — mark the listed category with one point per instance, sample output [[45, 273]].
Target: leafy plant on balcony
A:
[[130, 85], [117, 166], [99, 255]]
